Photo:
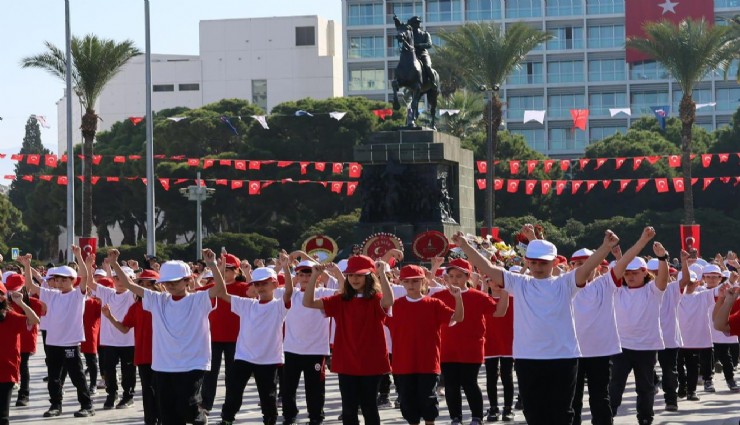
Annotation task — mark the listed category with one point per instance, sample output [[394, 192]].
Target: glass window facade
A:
[[699, 96], [564, 7], [605, 7], [565, 38], [482, 10], [528, 73], [728, 99], [523, 8], [365, 14], [566, 139], [642, 102], [444, 10], [726, 3], [607, 70], [404, 10], [605, 36], [648, 71], [259, 93], [565, 72], [559, 105], [516, 105], [535, 138], [367, 79], [600, 103], [599, 133], [366, 47]]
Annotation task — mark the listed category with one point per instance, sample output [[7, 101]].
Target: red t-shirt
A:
[[29, 337], [463, 343], [500, 333], [140, 321], [416, 332], [10, 349], [91, 323], [359, 344], [734, 319], [224, 323]]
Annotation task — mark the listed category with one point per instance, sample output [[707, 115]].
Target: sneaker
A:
[[518, 404], [508, 414], [85, 413], [692, 397], [441, 391], [681, 392], [110, 401], [53, 411], [709, 386], [226, 423], [125, 403], [492, 415], [475, 421], [45, 379], [733, 386], [397, 403], [101, 384], [384, 402], [290, 422], [671, 407], [455, 422], [22, 401], [92, 390]]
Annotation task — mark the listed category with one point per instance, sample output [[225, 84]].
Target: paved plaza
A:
[[720, 408]]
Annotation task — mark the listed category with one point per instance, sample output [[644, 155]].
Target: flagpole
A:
[[70, 153], [151, 246]]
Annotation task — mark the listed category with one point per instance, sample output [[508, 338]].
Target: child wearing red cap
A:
[[89, 347], [463, 344], [12, 325], [360, 311], [498, 358], [416, 325]]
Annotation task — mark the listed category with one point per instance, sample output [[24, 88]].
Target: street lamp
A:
[[151, 246], [70, 147], [198, 194], [490, 158]]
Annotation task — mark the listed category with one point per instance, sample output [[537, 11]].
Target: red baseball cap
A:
[[232, 261], [360, 264], [106, 281], [412, 272], [15, 282], [460, 264], [148, 275]]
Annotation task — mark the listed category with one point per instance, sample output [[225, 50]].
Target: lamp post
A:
[[70, 153], [151, 246], [490, 159], [198, 193]]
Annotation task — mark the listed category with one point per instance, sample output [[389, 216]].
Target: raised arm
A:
[[503, 301], [84, 273], [685, 272], [723, 307], [31, 317], [459, 314], [385, 287], [661, 281], [482, 263], [31, 286], [218, 290], [623, 260], [308, 297], [105, 311], [284, 263], [396, 254], [583, 272], [126, 281], [334, 272]]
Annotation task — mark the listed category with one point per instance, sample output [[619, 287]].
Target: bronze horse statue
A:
[[409, 74]]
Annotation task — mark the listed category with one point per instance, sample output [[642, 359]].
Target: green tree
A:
[[485, 54], [95, 61], [19, 188], [470, 116], [688, 51], [11, 225]]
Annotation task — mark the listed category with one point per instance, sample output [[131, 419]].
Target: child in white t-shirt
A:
[[259, 346]]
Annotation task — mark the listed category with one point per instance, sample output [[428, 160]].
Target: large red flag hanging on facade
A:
[[637, 12]]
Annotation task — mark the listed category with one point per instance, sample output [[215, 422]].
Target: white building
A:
[[264, 60]]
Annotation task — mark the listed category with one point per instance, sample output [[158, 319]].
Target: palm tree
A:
[[735, 31], [95, 62], [483, 54], [470, 116], [688, 51]]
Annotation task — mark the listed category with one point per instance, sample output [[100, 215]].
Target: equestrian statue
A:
[[414, 70]]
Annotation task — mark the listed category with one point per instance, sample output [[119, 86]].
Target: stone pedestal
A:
[[414, 181]]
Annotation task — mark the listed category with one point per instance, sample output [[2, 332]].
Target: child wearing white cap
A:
[[545, 346], [723, 344]]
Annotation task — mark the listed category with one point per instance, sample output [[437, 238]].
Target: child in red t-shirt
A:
[[360, 354], [416, 326]]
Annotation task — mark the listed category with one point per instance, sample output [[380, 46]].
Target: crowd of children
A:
[[562, 328]]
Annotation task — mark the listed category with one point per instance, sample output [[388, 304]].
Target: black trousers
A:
[[178, 397], [149, 400], [265, 376], [735, 353], [6, 392], [642, 363], [547, 388], [359, 391], [505, 367], [691, 360], [68, 358], [210, 382], [419, 394], [314, 378], [598, 372], [462, 376], [46, 359], [91, 362], [25, 373], [668, 359], [124, 355], [723, 354]]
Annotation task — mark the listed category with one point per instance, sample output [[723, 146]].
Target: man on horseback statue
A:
[[422, 43]]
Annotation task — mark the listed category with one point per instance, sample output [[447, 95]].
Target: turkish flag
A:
[[546, 185], [531, 165], [529, 188], [590, 185], [640, 184], [319, 166], [240, 165], [548, 165], [674, 161], [706, 160], [691, 238], [222, 182], [208, 163], [678, 184], [337, 168], [623, 184], [304, 167], [165, 183], [638, 161], [707, 182], [254, 188], [576, 184], [181, 181], [498, 184], [135, 120], [564, 165], [94, 180], [96, 159], [514, 167], [27, 178], [723, 157], [482, 166], [33, 159], [62, 180], [351, 187], [606, 183], [619, 163], [224, 162], [583, 162], [638, 12], [50, 161], [560, 186], [134, 157], [237, 184], [254, 165], [46, 178], [283, 164], [481, 183], [112, 179], [661, 185], [599, 162], [193, 162], [512, 186], [355, 170], [580, 118], [119, 159], [336, 187], [653, 159]]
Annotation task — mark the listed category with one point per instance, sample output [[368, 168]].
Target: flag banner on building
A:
[[538, 116], [616, 111], [580, 118], [661, 114]]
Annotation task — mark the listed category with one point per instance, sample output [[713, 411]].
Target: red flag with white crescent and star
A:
[[638, 12]]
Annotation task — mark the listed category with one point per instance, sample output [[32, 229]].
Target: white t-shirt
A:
[[43, 322], [694, 318], [307, 329], [719, 337], [119, 305], [638, 317], [543, 317], [260, 339], [64, 312], [181, 333], [593, 311], [668, 317]]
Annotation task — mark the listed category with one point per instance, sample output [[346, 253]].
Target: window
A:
[[602, 7], [366, 47], [566, 139], [523, 8], [259, 93], [367, 79], [566, 38], [516, 105], [305, 36], [559, 105], [726, 3], [606, 70], [648, 71], [189, 87], [728, 99], [444, 10], [564, 7], [535, 138], [605, 36], [643, 102], [365, 14], [528, 73], [404, 10], [163, 87], [599, 133], [483, 10], [600, 103], [565, 72], [699, 96]]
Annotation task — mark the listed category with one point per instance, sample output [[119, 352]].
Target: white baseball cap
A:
[[726, 273], [702, 262], [581, 254], [305, 264], [64, 271], [171, 271], [128, 271], [653, 264], [208, 274], [712, 268], [637, 263], [515, 269], [692, 276], [263, 273], [540, 249], [697, 268], [100, 272]]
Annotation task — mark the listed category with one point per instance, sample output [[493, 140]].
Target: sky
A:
[[26, 25]]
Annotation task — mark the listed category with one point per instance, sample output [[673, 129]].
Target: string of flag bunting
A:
[[662, 185]]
